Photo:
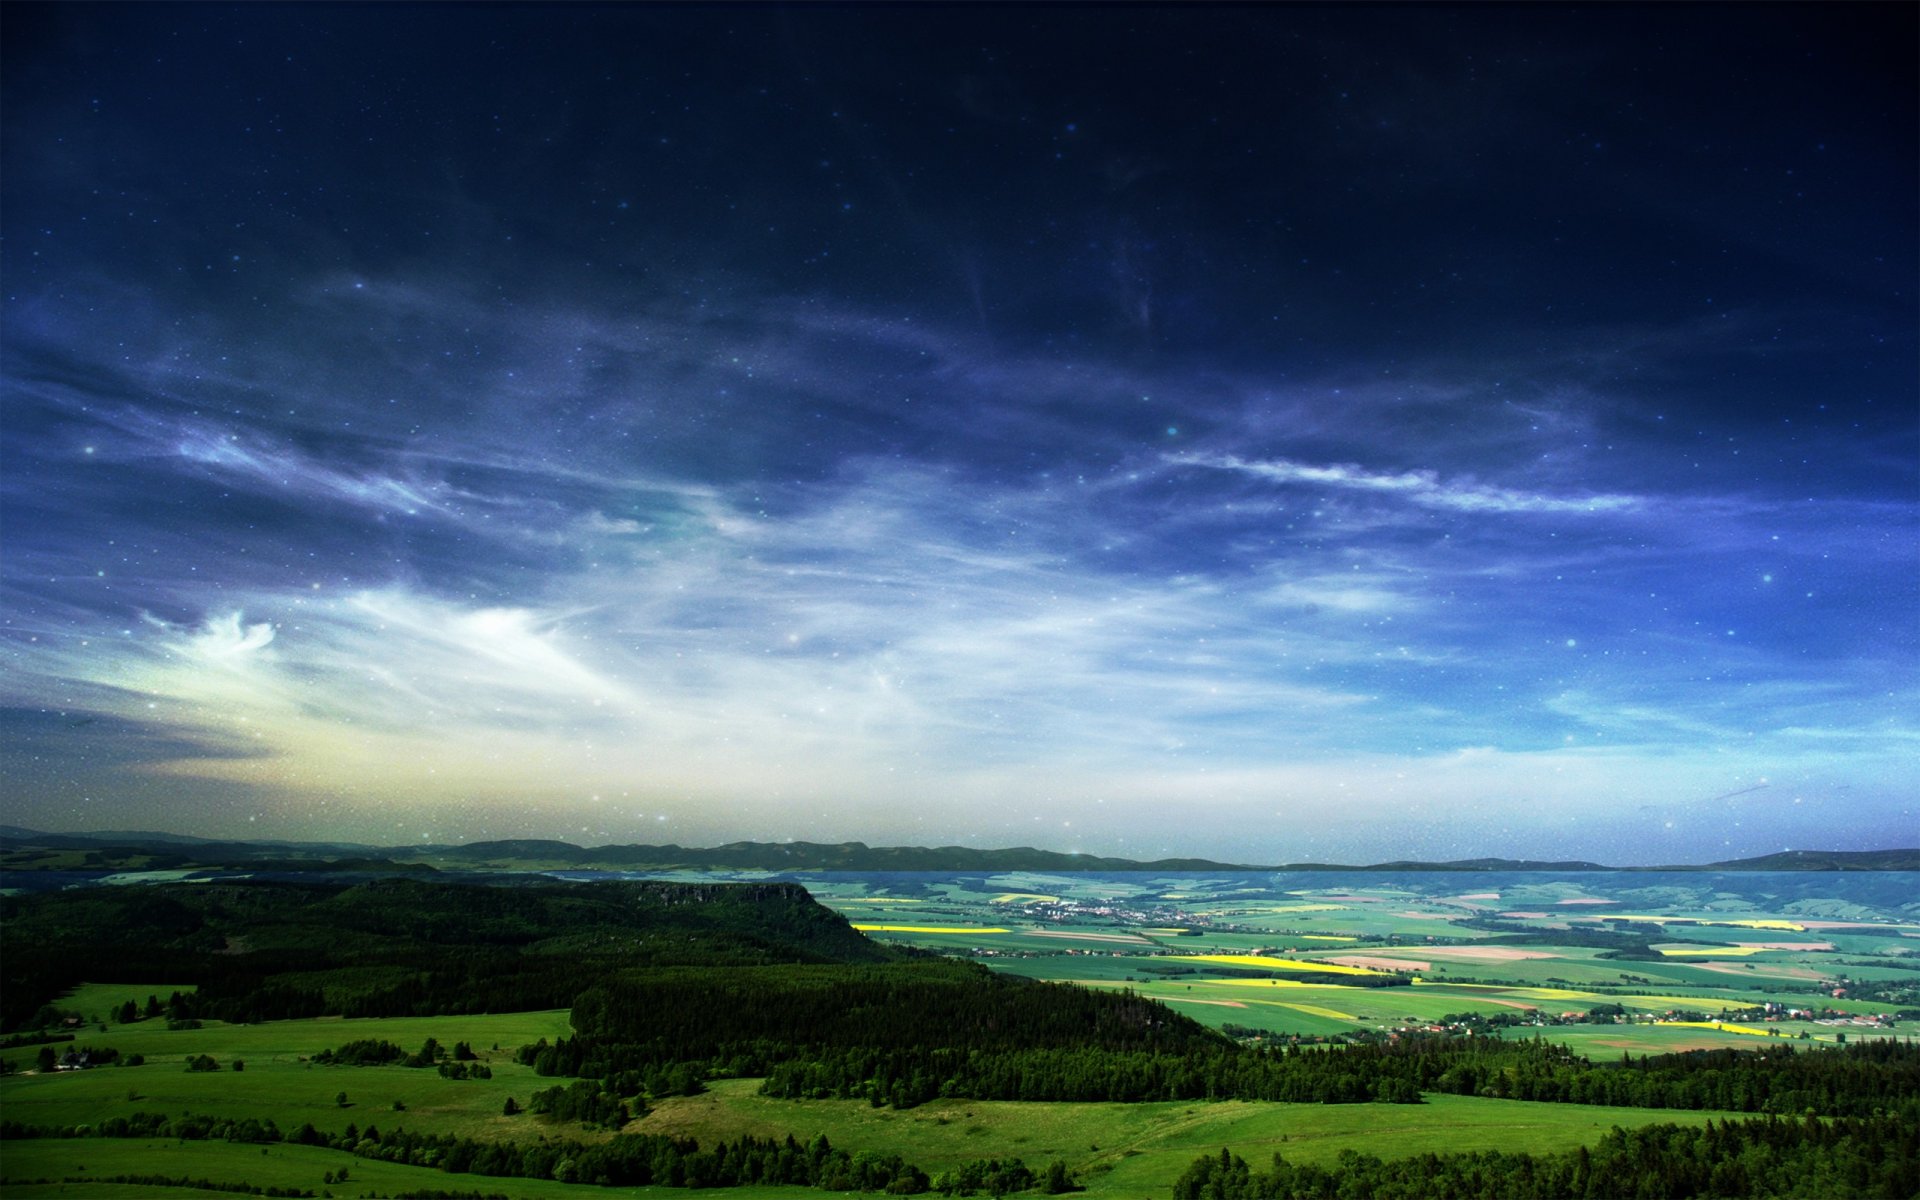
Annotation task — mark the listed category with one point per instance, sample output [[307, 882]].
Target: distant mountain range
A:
[[27, 849]]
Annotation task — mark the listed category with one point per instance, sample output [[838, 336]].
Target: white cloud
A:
[[1425, 488], [300, 475], [225, 638]]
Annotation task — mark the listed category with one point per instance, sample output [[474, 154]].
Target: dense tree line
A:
[[378, 1052], [1855, 1080], [1619, 941], [585, 1102], [748, 1021], [186, 1127], [632, 1160], [904, 1078], [933, 1002], [1807, 1157], [465, 1070], [186, 1181], [399, 947], [363, 1052]]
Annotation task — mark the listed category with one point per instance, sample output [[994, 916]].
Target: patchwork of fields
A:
[[1636, 963], [1318, 955]]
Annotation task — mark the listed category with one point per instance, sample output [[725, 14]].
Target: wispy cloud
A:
[[300, 476], [1422, 487]]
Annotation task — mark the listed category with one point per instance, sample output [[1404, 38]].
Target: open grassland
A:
[[281, 1039], [99, 1003], [1117, 1150], [278, 1083], [283, 1166], [1136, 1150]]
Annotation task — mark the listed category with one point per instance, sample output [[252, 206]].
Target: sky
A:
[[1274, 434]]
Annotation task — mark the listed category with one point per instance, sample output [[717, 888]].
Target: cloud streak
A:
[[1422, 487]]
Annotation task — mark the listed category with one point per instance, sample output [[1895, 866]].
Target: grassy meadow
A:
[[1138, 1149], [1116, 1150], [279, 1081], [304, 1167]]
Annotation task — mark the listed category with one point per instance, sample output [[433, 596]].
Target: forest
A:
[[272, 950], [672, 985], [1771, 1156]]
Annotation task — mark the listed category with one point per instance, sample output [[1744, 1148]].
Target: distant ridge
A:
[[1827, 860], [1497, 864], [814, 856], [113, 849]]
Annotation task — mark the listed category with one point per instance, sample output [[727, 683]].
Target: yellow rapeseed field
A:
[[1281, 964], [929, 929], [1754, 923], [1713, 951], [1723, 1027], [1529, 993], [1285, 983]]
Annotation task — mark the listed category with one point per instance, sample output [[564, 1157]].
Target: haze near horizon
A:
[[1263, 434]]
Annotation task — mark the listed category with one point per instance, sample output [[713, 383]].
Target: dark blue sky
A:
[[1273, 433]]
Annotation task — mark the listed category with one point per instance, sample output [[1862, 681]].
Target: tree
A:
[[45, 1059], [340, 1099], [430, 1053], [511, 1107]]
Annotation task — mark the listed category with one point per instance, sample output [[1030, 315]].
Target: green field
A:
[[304, 1167], [1709, 944], [279, 1083], [1138, 1149], [1117, 1150], [97, 1003]]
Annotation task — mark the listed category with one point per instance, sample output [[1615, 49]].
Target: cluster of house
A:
[[1062, 910], [74, 1060]]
